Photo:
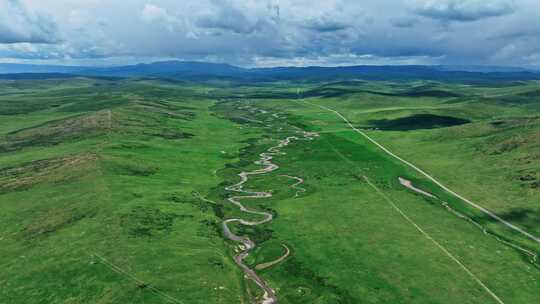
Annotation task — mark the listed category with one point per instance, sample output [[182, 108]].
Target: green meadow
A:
[[113, 191]]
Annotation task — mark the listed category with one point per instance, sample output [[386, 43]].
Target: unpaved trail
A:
[[437, 244], [533, 256], [276, 261], [296, 185], [408, 184], [139, 282], [438, 183], [265, 160]]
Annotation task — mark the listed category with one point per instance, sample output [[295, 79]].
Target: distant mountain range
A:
[[204, 71]]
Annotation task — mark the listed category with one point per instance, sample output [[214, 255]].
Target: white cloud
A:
[[152, 13], [266, 32], [18, 24]]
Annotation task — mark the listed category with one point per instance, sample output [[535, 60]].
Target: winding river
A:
[[247, 245]]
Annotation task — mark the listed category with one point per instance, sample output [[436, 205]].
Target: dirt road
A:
[[438, 183]]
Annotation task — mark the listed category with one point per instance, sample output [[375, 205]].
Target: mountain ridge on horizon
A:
[[195, 70], [458, 67]]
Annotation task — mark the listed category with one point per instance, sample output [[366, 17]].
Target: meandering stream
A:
[[247, 244]]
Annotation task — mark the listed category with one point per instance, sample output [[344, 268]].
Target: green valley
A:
[[118, 190]]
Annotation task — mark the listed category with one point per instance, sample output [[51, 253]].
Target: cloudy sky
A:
[[272, 32]]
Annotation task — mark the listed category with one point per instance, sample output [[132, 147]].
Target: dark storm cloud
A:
[[17, 25], [465, 10], [326, 25], [227, 17], [236, 24], [404, 22]]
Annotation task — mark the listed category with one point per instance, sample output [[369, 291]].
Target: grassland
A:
[[114, 181], [113, 191]]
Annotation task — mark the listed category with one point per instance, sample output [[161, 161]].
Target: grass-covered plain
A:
[[113, 191], [108, 170]]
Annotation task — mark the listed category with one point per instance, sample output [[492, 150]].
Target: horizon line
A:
[[530, 68]]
